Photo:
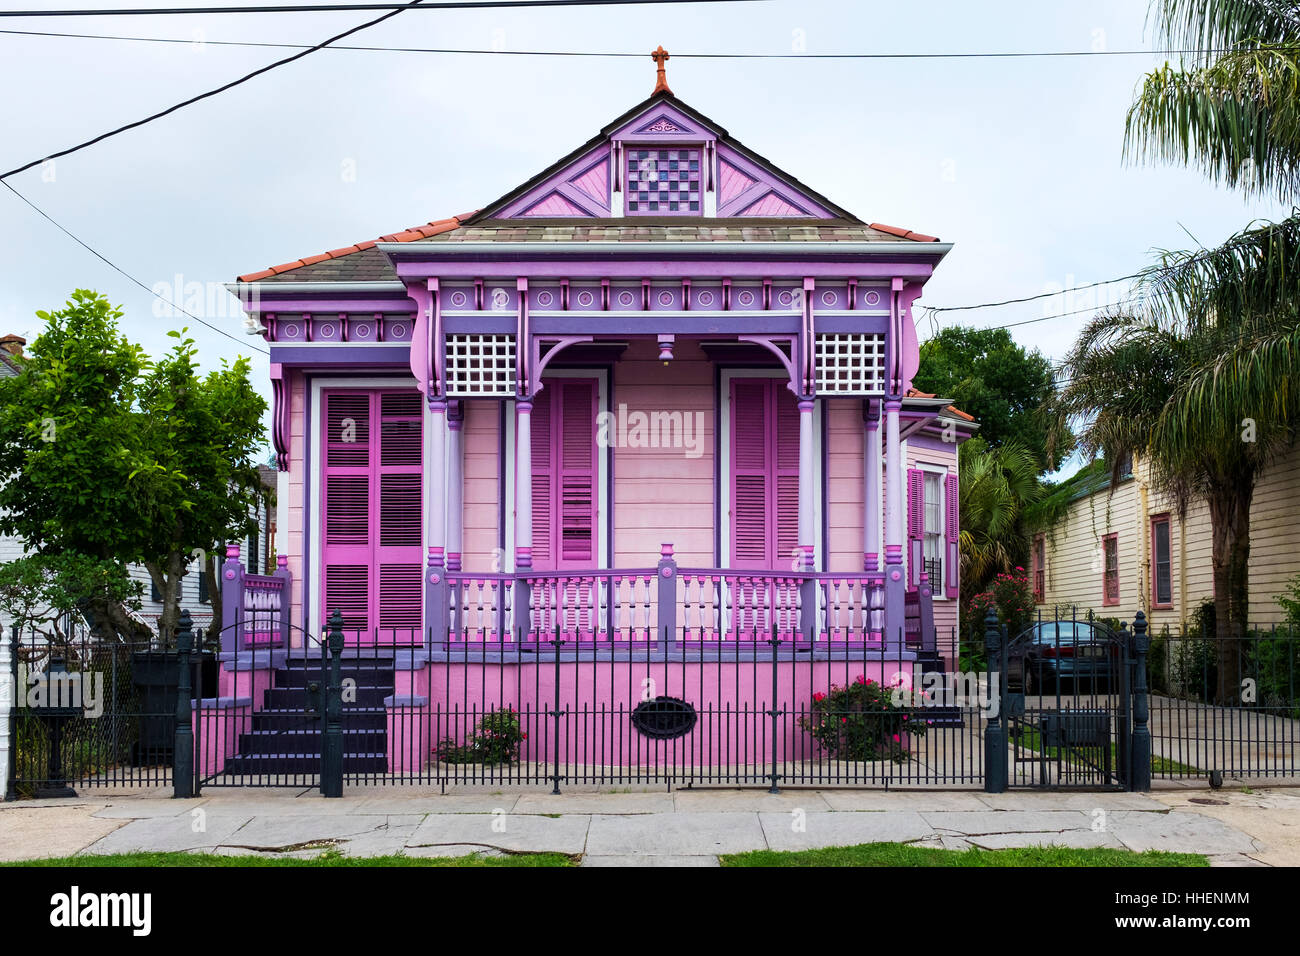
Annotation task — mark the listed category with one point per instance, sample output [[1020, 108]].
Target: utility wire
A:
[[118, 269], [191, 41], [348, 7], [221, 89]]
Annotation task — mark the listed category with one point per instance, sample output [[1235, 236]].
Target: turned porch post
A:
[[455, 483], [871, 489], [523, 508], [807, 523], [895, 587], [435, 591]]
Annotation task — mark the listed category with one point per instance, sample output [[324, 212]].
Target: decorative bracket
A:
[[773, 344], [540, 360]]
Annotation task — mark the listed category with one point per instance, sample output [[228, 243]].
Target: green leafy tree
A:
[[123, 459], [1232, 108], [1007, 388], [1201, 384], [43, 594]]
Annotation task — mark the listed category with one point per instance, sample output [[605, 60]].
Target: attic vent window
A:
[[663, 182]]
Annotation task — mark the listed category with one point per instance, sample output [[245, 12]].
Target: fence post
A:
[[666, 611], [995, 734], [331, 763], [9, 710], [773, 711], [556, 714], [183, 744], [232, 600], [1141, 748]]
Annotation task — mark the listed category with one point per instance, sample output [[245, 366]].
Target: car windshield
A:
[[1066, 632]]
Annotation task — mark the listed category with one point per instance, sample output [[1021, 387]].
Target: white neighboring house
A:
[[255, 552]]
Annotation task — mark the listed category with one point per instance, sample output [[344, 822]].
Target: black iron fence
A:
[[1068, 703]]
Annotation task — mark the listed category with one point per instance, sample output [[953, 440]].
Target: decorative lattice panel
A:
[[663, 181], [480, 365], [850, 363]]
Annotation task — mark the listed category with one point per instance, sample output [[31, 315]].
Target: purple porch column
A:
[[807, 523], [232, 600], [871, 489], [435, 578], [523, 508], [895, 586], [455, 484]]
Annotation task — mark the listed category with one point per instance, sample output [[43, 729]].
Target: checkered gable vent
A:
[[851, 363], [480, 365]]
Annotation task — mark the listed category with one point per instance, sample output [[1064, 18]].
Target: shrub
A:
[[862, 722], [1011, 595], [496, 739]]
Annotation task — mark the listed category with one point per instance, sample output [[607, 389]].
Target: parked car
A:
[[1048, 652]]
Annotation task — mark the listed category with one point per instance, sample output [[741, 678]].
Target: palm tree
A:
[[1231, 108], [1199, 381], [996, 487]]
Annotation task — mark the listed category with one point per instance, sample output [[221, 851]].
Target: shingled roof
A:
[[674, 229]]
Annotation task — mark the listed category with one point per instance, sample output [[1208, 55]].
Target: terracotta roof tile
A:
[[917, 393], [903, 233], [426, 231]]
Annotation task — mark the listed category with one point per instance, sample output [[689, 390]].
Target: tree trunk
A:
[[168, 581], [1230, 533], [209, 571]]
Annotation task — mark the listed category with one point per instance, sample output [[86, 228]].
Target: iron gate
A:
[[1067, 704]]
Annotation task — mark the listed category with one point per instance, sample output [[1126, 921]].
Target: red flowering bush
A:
[[862, 722], [1011, 595], [495, 740]]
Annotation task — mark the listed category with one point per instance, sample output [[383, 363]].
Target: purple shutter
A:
[[345, 506], [915, 525], [565, 475], [952, 527], [751, 515], [396, 586], [786, 476], [543, 482], [575, 452]]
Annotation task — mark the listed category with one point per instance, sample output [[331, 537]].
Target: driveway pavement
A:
[[654, 828]]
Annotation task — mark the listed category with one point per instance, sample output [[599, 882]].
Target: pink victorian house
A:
[[656, 400]]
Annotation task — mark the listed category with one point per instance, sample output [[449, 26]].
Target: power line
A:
[[116, 268], [221, 89], [347, 7], [191, 41]]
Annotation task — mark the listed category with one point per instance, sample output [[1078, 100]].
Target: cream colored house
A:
[[1121, 548]]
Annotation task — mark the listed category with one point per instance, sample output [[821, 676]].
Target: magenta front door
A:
[[372, 514]]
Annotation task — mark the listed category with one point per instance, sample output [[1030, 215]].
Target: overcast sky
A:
[[1017, 161]]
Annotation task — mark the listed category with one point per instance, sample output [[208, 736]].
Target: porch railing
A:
[[256, 604], [674, 604]]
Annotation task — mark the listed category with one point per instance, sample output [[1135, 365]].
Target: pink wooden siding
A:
[[765, 474], [297, 511], [372, 515], [648, 479], [844, 466], [481, 541], [935, 453]]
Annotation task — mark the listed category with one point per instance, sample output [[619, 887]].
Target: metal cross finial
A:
[[660, 56]]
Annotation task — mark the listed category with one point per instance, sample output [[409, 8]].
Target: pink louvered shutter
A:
[[543, 482], [952, 528], [915, 525], [575, 453], [346, 551], [786, 476], [751, 512], [398, 589]]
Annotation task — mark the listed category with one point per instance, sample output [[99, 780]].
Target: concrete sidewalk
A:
[[653, 827]]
